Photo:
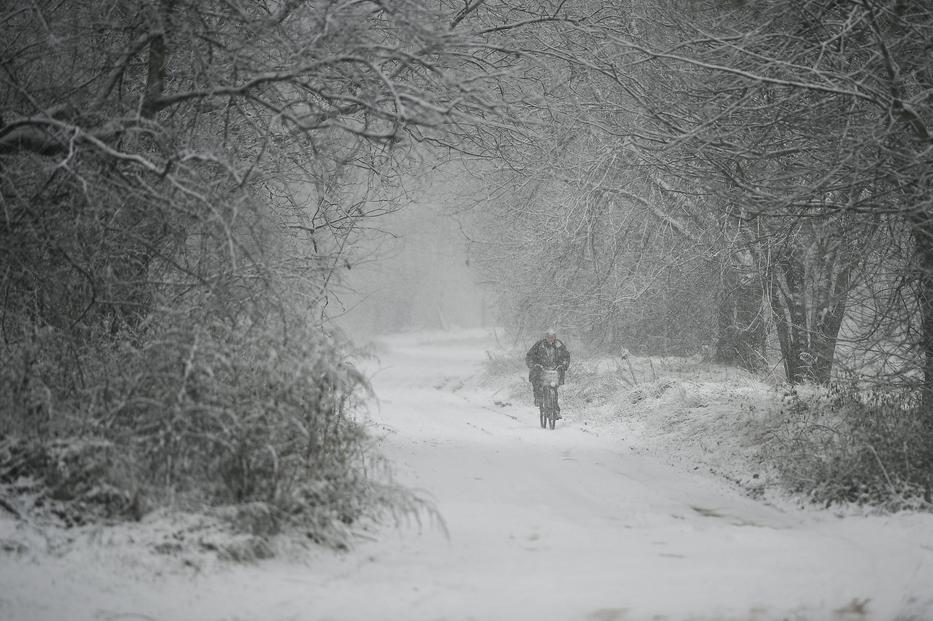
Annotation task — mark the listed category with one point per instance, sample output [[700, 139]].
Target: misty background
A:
[[413, 271]]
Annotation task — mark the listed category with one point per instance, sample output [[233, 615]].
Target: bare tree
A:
[[812, 119]]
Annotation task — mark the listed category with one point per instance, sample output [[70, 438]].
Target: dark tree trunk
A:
[[809, 305], [829, 317], [787, 300]]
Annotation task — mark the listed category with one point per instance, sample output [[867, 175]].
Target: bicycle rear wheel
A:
[[549, 407]]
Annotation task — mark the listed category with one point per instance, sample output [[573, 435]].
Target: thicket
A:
[[568, 241], [198, 411], [846, 444]]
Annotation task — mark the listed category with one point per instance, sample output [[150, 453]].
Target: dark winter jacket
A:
[[548, 356]]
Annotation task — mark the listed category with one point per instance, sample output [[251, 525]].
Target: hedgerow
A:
[[844, 444], [196, 411]]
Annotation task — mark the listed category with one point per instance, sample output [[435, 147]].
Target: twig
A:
[[883, 470], [9, 507]]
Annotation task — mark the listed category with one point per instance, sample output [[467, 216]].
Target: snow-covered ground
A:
[[576, 523]]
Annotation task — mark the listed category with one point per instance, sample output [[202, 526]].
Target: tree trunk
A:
[[787, 301], [830, 312], [808, 297]]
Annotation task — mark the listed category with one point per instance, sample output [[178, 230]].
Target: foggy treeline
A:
[[186, 187], [412, 270]]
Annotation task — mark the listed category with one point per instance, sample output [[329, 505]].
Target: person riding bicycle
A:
[[548, 353]]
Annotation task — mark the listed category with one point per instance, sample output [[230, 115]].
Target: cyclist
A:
[[548, 353]]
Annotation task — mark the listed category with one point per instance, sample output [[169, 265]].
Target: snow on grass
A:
[[686, 412]]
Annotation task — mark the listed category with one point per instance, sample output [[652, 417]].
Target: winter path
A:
[[545, 525]]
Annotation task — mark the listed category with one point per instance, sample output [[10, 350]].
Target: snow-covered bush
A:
[[843, 444], [76, 480], [200, 410]]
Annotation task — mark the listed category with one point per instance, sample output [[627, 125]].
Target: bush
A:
[[199, 409], [76, 480], [846, 445]]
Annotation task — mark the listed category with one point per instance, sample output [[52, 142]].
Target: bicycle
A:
[[549, 380]]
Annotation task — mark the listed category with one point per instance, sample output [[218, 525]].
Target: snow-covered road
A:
[[570, 524], [564, 525]]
